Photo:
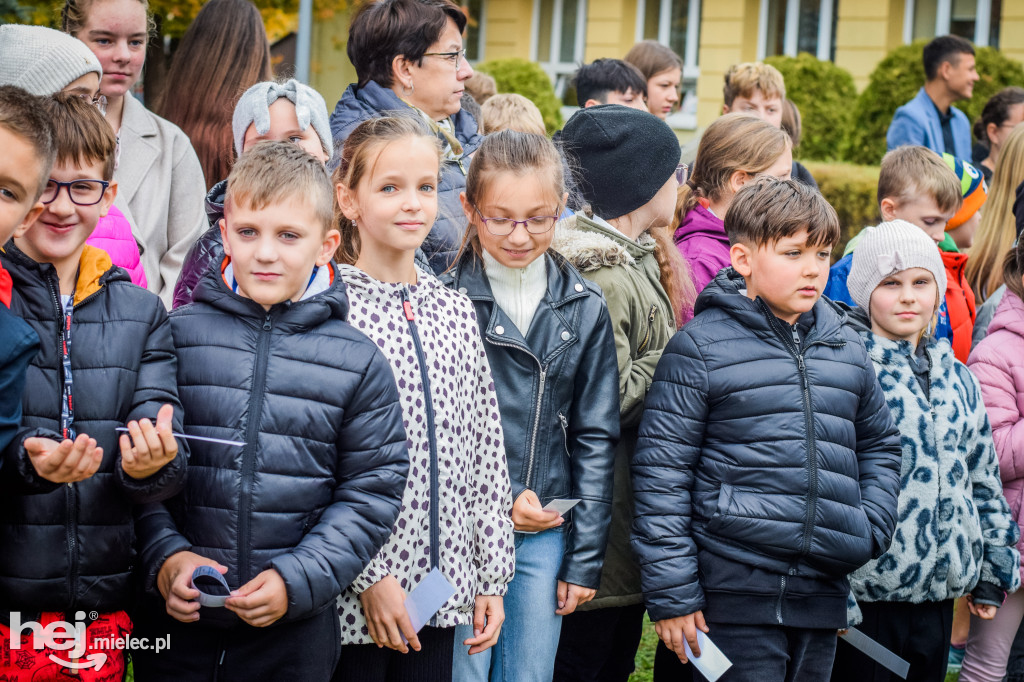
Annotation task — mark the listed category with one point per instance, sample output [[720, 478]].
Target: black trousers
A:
[[370, 663], [599, 645], [917, 633], [304, 650]]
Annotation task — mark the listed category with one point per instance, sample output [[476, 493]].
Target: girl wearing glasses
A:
[[455, 509], [551, 348], [409, 57]]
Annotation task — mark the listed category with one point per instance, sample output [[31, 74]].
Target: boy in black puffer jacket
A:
[[291, 516], [69, 485], [767, 466]]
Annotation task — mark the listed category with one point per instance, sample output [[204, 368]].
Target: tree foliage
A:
[[526, 78], [822, 92]]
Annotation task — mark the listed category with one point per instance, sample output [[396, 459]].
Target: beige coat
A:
[[161, 191]]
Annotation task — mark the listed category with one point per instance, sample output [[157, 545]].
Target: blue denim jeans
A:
[[525, 651]]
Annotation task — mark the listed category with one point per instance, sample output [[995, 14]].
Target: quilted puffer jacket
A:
[[371, 101], [316, 487], [113, 234], [558, 392], [70, 547], [767, 465]]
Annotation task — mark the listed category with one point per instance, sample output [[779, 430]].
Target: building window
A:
[[559, 29], [474, 43], [976, 20], [675, 23], [792, 26]]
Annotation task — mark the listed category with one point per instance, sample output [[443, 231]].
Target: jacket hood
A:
[[358, 104], [701, 222], [290, 316], [727, 291], [1009, 315], [215, 202], [589, 246], [95, 270]]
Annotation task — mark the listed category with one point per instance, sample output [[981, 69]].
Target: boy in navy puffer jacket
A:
[[768, 465], [293, 515]]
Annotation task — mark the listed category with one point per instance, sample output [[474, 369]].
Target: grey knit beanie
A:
[[42, 60], [888, 248], [254, 108]]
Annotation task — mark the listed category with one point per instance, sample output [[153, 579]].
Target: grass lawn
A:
[[645, 657]]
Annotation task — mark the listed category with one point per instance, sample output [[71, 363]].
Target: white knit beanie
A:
[[42, 60], [253, 108], [888, 248]]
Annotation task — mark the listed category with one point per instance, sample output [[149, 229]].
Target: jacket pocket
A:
[[645, 342]]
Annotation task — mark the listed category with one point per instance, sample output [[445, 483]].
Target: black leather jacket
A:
[[558, 393]]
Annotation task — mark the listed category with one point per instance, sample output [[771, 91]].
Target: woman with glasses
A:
[[44, 62], [161, 182], [409, 57], [549, 341]]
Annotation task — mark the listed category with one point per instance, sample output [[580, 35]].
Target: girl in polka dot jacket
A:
[[456, 505], [549, 338]]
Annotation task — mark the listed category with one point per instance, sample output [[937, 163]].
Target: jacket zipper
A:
[[792, 343], [249, 453], [782, 596], [651, 314], [565, 433], [536, 413], [435, 517]]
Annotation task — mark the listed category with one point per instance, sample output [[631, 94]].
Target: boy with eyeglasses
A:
[[69, 481]]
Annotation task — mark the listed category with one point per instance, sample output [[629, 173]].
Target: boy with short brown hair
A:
[[767, 465]]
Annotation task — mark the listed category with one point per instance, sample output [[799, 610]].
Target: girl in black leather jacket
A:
[[550, 344]]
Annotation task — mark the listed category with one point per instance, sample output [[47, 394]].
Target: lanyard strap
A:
[[67, 409]]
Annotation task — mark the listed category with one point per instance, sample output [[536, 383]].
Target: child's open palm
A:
[[64, 462], [154, 446]]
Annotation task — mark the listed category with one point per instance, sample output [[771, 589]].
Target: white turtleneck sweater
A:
[[517, 290]]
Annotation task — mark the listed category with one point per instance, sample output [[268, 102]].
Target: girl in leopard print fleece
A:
[[955, 534], [456, 507]]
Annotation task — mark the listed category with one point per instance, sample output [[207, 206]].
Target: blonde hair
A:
[[358, 155], [509, 111], [75, 14], [734, 142], [911, 171], [997, 230], [742, 79], [481, 87], [277, 173]]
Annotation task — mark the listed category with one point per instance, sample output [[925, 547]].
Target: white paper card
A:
[[712, 662], [427, 598], [561, 506]]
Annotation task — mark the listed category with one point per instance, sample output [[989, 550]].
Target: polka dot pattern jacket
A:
[[457, 501]]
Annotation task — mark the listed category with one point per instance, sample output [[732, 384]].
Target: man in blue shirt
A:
[[930, 119]]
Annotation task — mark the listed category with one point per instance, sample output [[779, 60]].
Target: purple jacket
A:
[[998, 363], [113, 234], [701, 239]]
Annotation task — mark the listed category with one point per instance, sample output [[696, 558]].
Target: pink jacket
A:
[[113, 234], [702, 241], [998, 363]]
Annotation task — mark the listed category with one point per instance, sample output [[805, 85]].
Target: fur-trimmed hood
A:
[[590, 246]]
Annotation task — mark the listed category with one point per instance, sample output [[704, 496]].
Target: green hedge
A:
[[822, 92], [852, 192], [896, 80], [526, 78]]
